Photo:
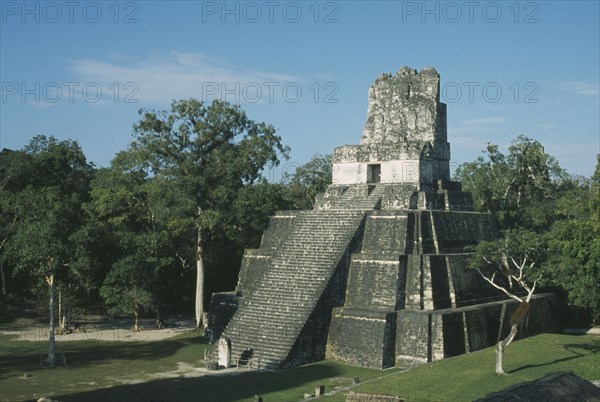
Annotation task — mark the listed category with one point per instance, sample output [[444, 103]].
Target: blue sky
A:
[[82, 69]]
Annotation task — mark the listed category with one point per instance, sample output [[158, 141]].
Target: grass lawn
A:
[[90, 365], [123, 371], [471, 376]]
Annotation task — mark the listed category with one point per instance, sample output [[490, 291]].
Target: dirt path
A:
[[103, 329]]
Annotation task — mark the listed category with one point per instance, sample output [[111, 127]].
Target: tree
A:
[[49, 211], [208, 153], [307, 181], [126, 288], [521, 190], [250, 212], [508, 264], [149, 229], [574, 244], [15, 174], [574, 263]]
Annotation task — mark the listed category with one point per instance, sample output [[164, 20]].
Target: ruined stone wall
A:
[[424, 336], [353, 397], [439, 195], [386, 232], [389, 152], [362, 338], [456, 230], [376, 282], [405, 108], [405, 132]]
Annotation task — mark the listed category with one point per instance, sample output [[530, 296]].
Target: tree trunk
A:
[[199, 280], [51, 350], [160, 323], [61, 328], [501, 347], [136, 323], [3, 279], [66, 321]]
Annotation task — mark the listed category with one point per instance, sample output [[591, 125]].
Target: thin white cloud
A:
[[581, 88], [180, 75], [468, 142], [545, 126], [482, 124], [484, 121]]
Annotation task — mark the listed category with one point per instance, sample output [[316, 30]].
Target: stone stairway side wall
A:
[[311, 344]]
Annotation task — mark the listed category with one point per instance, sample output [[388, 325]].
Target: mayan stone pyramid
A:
[[375, 275]]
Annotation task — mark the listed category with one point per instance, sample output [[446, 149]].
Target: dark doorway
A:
[[373, 173]]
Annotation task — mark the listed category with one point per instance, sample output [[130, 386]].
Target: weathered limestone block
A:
[[362, 337], [412, 338], [386, 232], [320, 390], [405, 139], [404, 108], [411, 151], [224, 352], [374, 282], [455, 230]]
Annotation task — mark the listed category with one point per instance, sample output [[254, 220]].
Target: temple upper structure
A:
[[376, 274], [405, 137]]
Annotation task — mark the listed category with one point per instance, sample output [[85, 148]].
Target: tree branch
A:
[[491, 282]]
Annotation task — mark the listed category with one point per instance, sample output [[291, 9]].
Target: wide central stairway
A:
[[292, 283]]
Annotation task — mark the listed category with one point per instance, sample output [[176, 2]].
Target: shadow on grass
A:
[[25, 356], [224, 387], [590, 348]]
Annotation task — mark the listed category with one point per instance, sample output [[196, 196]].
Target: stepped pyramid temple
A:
[[375, 275]]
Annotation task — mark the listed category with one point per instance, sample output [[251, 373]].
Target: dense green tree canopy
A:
[[206, 154], [45, 209], [519, 188], [307, 181], [528, 192]]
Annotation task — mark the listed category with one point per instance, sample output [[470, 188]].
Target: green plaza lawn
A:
[[167, 370]]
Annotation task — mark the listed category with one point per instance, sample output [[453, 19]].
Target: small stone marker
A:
[[224, 352], [320, 390], [258, 398]]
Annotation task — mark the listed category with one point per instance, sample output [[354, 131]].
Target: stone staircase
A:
[[351, 197], [272, 315]]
